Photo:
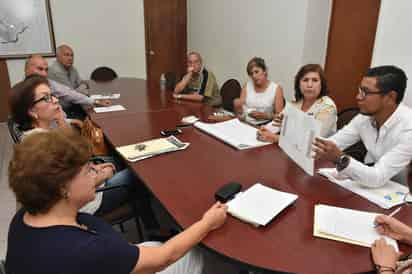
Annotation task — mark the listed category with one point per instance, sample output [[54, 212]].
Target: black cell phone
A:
[[171, 132]]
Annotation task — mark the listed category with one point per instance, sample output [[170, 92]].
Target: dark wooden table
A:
[[185, 182]]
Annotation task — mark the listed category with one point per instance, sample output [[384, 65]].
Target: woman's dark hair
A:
[[43, 164], [302, 72], [21, 100], [255, 62]]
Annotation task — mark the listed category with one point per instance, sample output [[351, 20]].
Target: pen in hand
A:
[[390, 215]]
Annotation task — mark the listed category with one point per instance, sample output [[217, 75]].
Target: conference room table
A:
[[185, 182]]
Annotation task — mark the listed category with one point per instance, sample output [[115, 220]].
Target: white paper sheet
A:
[[233, 132], [105, 97], [296, 136], [109, 108]]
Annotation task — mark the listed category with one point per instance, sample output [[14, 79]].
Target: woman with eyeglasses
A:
[[35, 110], [310, 97], [52, 178]]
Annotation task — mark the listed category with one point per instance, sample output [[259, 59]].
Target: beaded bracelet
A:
[[382, 268]]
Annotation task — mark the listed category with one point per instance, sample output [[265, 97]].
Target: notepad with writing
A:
[[259, 204], [347, 225], [144, 150]]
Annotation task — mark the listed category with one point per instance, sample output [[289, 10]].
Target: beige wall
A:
[[101, 32], [286, 34], [393, 41]]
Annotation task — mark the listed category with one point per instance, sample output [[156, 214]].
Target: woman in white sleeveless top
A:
[[310, 97], [260, 97]]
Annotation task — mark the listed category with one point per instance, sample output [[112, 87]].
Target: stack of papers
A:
[[387, 196], [347, 225], [259, 204], [105, 97], [144, 150], [109, 108], [233, 132]]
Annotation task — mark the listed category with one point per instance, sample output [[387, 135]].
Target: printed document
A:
[[296, 136], [387, 196]]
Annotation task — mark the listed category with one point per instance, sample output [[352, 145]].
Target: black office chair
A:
[[103, 74], [14, 129], [2, 267], [230, 91], [171, 80], [358, 150]]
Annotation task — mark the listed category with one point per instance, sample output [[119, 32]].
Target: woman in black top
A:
[[52, 178]]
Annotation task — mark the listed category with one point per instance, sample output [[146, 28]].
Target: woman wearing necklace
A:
[[52, 179]]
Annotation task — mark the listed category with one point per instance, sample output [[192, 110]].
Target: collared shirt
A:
[[68, 77], [389, 147], [68, 96]]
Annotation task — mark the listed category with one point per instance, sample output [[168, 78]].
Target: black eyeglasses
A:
[[363, 92], [47, 98]]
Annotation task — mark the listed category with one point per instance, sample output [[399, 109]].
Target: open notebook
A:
[[144, 150], [387, 196], [259, 204], [233, 132], [347, 225]]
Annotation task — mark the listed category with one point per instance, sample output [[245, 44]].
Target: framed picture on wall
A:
[[26, 28]]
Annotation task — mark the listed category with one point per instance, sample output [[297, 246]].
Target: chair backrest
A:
[[171, 80], [229, 92], [103, 74], [14, 130], [345, 116]]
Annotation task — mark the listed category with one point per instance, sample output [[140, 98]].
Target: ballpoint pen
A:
[[390, 215]]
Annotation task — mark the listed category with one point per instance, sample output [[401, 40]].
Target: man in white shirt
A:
[[384, 125]]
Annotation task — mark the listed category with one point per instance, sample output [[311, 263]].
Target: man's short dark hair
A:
[[389, 78]]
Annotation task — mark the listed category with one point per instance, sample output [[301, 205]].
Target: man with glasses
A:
[[384, 125], [69, 99], [198, 84]]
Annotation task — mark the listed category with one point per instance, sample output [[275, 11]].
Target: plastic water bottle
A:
[[162, 82]]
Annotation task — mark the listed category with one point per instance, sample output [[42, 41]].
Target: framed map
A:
[[26, 28]]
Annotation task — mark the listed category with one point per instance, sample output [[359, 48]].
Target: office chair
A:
[[171, 80], [358, 150], [345, 116], [14, 130], [103, 74], [2, 267], [230, 91]]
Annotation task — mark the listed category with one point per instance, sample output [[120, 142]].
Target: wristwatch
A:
[[342, 162]]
